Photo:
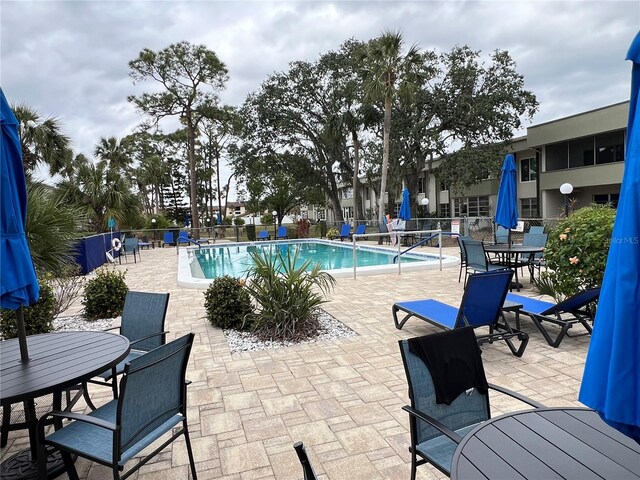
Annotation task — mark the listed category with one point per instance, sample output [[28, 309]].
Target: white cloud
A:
[[70, 58]]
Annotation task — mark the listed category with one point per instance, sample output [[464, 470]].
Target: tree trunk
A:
[[358, 211], [191, 154], [385, 156], [219, 192]]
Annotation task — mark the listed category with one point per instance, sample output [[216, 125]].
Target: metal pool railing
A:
[[399, 233]]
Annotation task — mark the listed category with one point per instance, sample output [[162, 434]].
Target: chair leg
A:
[[6, 420], [192, 462], [85, 395], [69, 465]]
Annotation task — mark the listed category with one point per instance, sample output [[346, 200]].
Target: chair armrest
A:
[[148, 337], [434, 423], [516, 395], [110, 328], [73, 416]]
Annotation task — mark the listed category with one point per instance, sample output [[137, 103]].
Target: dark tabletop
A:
[[570, 443], [57, 361], [503, 248]]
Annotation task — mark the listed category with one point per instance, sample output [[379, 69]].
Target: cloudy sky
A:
[[70, 58]]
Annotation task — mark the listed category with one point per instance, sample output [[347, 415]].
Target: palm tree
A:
[[112, 153], [102, 193], [41, 140], [387, 73]]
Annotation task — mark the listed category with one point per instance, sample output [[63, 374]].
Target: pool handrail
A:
[[425, 240], [401, 233]]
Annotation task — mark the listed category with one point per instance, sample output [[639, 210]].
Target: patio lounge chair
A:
[[575, 309], [263, 235], [345, 231], [481, 306], [437, 428], [282, 232], [307, 469], [153, 403], [168, 239], [143, 317], [360, 230]]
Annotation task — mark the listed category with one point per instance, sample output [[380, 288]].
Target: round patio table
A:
[[56, 361], [570, 443], [509, 255]]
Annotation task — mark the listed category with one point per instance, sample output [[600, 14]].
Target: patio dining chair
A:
[[476, 258], [142, 322], [463, 255], [448, 392], [307, 469], [536, 230], [153, 403], [533, 261], [131, 247]]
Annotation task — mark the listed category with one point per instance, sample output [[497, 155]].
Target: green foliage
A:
[[286, 294], [251, 232], [104, 295], [161, 222], [266, 219], [323, 228], [227, 221], [228, 304], [38, 317], [51, 230], [66, 287], [333, 233], [239, 221], [302, 228], [576, 252]]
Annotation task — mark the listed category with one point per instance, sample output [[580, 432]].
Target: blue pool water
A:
[[236, 260]]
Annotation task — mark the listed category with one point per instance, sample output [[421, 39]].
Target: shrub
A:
[[267, 219], [286, 294], [333, 233], [104, 295], [66, 287], [239, 221], [228, 304], [576, 252], [251, 232], [38, 318], [323, 228], [302, 228]]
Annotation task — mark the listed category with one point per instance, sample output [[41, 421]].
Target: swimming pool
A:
[[197, 267]]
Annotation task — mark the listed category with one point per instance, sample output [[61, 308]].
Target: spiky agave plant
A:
[[287, 293]]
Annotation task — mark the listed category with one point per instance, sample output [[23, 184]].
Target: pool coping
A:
[[187, 280]]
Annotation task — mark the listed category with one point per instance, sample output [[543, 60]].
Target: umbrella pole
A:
[[22, 335]]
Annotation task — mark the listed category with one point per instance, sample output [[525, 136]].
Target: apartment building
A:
[[586, 150]]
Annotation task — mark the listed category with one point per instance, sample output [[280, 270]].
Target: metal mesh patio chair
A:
[[535, 260], [143, 318], [476, 258], [437, 428], [153, 402], [131, 247], [307, 469], [463, 255]]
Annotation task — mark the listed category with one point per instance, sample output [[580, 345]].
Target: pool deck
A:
[[343, 398]]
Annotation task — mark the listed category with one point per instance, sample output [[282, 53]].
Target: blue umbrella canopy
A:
[[405, 206], [507, 207], [219, 219], [611, 380], [18, 282]]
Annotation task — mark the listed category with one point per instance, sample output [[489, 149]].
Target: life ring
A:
[[116, 244]]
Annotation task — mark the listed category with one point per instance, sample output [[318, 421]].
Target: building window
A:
[[321, 214], [610, 147], [396, 209], [347, 212], [528, 169], [557, 156], [604, 198], [445, 210], [581, 152], [444, 187], [421, 185], [471, 206], [529, 207], [347, 193]]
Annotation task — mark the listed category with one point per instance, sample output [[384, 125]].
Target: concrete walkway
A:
[[343, 398]]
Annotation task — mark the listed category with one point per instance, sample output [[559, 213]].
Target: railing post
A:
[[399, 238], [440, 246], [353, 240]]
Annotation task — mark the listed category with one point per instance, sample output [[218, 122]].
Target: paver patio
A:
[[343, 398]]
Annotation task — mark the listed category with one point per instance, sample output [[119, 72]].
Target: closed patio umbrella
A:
[[507, 207], [18, 285], [611, 380], [405, 206]]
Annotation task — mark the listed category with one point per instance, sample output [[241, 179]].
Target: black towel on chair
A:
[[454, 361]]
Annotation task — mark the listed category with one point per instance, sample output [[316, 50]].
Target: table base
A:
[[20, 466]]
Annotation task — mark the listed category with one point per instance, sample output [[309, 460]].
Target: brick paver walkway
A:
[[343, 398]]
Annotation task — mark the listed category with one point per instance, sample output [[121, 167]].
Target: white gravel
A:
[[330, 329], [79, 322]]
